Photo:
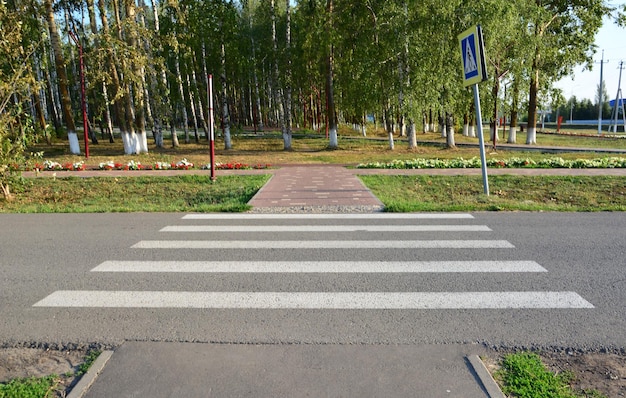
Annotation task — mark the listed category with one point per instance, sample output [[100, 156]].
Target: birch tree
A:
[[16, 81], [562, 33], [59, 61]]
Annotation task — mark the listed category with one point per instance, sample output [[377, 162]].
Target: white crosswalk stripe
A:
[[323, 244], [328, 216], [326, 228], [311, 300], [298, 300], [360, 267]]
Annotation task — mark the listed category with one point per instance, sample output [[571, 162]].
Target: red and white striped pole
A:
[[211, 126]]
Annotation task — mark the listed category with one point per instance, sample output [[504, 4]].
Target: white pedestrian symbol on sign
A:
[[470, 61]]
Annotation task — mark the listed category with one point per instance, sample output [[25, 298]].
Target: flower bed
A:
[[48, 165], [132, 165], [184, 164], [599, 163], [236, 166]]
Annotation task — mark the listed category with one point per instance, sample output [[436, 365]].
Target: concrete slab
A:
[[147, 369]]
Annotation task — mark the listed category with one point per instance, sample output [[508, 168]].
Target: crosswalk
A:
[[379, 231]]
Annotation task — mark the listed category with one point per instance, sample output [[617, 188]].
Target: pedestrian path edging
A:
[[489, 384], [85, 382]]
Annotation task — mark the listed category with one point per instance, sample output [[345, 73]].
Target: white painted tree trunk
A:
[[412, 135], [74, 146], [512, 135], [471, 131], [450, 139], [391, 143], [142, 142], [332, 137], [135, 142], [466, 130], [449, 125], [442, 129], [531, 138], [128, 148]]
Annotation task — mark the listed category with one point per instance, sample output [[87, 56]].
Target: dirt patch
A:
[[603, 372], [39, 362]]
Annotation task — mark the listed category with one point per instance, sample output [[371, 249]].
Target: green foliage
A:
[[29, 388], [512, 162], [15, 81], [523, 375]]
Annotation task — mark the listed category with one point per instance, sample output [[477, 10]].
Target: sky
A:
[[584, 83]]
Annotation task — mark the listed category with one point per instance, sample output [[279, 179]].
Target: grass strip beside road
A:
[[134, 194], [511, 193], [399, 193]]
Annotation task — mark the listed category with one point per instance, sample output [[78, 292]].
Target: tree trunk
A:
[[531, 137], [277, 92], [389, 127], [37, 102], [181, 92], [449, 122], [465, 125], [203, 119], [442, 125], [136, 90], [257, 100], [147, 99], [412, 135], [513, 126], [287, 130], [126, 114], [494, 92], [225, 115], [331, 114], [59, 60], [115, 80], [194, 117]]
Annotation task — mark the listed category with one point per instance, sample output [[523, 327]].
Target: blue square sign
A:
[[472, 56]]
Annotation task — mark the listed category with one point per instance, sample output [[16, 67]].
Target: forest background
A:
[[144, 67]]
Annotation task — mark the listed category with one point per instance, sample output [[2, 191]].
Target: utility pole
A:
[[619, 102], [600, 99]]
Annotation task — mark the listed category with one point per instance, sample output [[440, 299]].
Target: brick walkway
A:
[[317, 185]]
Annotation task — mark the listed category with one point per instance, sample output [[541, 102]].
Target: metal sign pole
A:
[[474, 72], [479, 126]]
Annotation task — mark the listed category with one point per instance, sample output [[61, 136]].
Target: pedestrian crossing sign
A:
[[473, 56]]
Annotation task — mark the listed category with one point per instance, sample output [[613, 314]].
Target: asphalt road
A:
[[43, 256]]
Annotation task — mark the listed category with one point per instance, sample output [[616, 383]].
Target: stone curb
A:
[[81, 388], [488, 383]]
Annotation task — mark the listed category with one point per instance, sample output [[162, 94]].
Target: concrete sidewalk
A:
[[148, 369]]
